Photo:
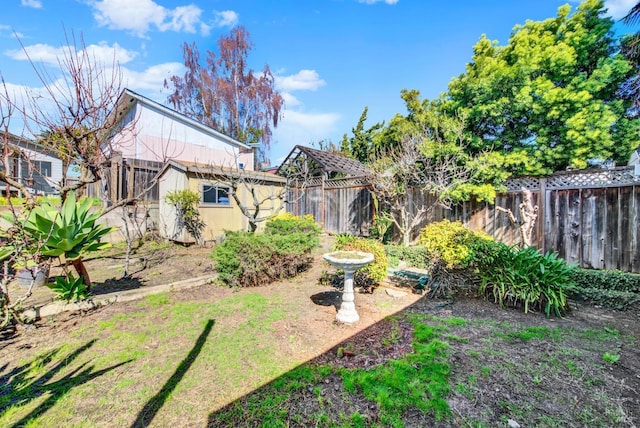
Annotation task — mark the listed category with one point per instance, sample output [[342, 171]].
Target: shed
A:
[[217, 207]]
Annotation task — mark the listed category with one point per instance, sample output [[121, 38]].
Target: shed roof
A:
[[208, 171]]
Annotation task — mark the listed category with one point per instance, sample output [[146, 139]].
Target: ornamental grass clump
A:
[[526, 278]]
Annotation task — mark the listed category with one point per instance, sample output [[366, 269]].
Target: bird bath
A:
[[349, 262]]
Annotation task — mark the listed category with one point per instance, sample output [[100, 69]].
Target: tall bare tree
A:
[[75, 121], [224, 93]]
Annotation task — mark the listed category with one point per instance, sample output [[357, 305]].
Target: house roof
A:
[[207, 170], [27, 144], [325, 162], [129, 98]]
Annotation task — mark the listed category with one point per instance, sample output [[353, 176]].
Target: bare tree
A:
[[78, 123], [424, 161], [250, 192], [11, 240], [225, 94], [528, 217]]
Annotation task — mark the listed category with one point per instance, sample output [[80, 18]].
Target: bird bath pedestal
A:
[[349, 262]]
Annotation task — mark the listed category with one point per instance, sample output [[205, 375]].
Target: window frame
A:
[[37, 166], [217, 189]]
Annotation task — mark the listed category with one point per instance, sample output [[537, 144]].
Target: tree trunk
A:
[[82, 271]]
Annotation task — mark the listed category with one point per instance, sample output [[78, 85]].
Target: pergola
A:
[[318, 176], [320, 163]]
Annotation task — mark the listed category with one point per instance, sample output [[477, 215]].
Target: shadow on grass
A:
[[18, 389], [148, 412], [314, 392]]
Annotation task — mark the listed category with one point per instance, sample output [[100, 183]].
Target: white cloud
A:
[[300, 128], [135, 16], [140, 16], [38, 53], [151, 79], [225, 18], [303, 80], [617, 9], [290, 100], [102, 53], [181, 18], [378, 1], [105, 54], [36, 4]]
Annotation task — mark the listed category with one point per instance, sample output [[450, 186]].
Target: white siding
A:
[[161, 137], [171, 181]]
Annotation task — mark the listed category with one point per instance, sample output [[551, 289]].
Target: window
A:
[[215, 194], [44, 168]]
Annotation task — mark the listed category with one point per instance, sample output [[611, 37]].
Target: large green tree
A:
[[552, 93], [361, 146]]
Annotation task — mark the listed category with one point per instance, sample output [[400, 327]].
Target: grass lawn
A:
[[272, 356]]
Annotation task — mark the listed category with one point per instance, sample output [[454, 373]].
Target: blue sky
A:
[[331, 58]]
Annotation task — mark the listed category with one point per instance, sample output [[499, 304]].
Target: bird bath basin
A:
[[349, 262]]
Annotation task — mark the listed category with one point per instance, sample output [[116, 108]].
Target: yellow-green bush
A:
[[452, 243], [287, 223], [375, 271]]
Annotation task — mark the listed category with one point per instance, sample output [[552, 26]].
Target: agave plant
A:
[[68, 232]]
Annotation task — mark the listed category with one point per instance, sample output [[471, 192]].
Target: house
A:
[[217, 208], [149, 131], [145, 134], [33, 165]]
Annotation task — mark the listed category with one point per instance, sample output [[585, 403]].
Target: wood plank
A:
[[635, 234], [560, 218], [572, 228], [587, 207], [550, 221], [611, 248], [625, 228]]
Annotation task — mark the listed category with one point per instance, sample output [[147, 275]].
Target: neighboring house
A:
[[146, 130], [217, 209], [33, 165], [635, 157]]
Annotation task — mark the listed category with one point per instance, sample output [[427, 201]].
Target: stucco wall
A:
[[217, 218]]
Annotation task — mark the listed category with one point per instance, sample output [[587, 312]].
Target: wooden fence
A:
[[341, 205], [127, 179], [591, 218]]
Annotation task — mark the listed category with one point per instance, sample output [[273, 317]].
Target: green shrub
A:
[[607, 280], [612, 289], [414, 256], [185, 202], [69, 288], [248, 260], [286, 223], [452, 243], [525, 278], [376, 271]]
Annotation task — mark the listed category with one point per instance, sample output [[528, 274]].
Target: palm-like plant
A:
[[68, 232]]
